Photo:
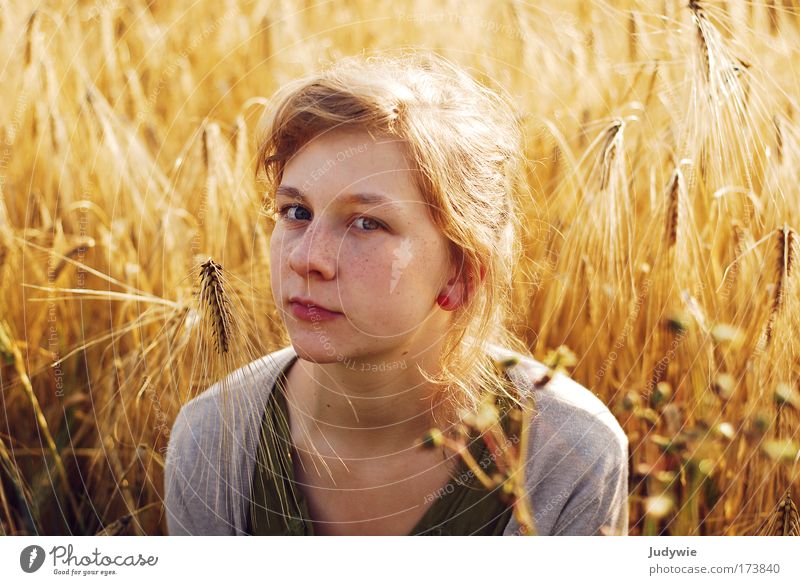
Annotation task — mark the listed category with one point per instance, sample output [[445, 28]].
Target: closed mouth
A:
[[309, 303]]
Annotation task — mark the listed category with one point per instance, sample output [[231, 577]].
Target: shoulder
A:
[[236, 394], [576, 467], [562, 404], [212, 439]]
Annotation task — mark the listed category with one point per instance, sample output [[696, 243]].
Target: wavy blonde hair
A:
[[465, 144]]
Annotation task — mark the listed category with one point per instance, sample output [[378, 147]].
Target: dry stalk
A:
[[716, 63], [776, 120], [57, 132], [30, 38], [783, 520], [701, 24], [204, 141], [739, 249], [210, 140], [632, 34], [588, 277], [787, 242], [651, 85], [80, 248], [137, 102], [509, 458], [8, 466], [585, 117], [4, 249], [772, 17], [266, 38], [610, 148], [214, 299], [240, 140], [120, 525], [673, 207], [9, 347]]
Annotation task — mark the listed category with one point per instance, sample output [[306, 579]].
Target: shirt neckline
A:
[[303, 524]]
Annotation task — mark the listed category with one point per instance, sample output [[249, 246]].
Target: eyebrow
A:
[[352, 198]]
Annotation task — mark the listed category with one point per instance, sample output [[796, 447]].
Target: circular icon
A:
[[31, 558]]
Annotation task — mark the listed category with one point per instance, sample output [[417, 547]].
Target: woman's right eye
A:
[[284, 212]]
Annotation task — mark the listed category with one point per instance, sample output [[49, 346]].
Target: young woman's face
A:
[[354, 236]]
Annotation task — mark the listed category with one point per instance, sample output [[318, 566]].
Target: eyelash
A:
[[283, 210]]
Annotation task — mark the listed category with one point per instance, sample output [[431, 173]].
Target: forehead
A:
[[343, 162]]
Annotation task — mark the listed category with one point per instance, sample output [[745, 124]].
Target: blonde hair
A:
[[465, 143]]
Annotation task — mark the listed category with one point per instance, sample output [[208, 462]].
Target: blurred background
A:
[[661, 209]]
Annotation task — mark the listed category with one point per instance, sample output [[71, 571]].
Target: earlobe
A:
[[448, 298]]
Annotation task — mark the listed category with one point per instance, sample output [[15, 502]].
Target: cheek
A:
[[392, 283], [274, 246], [277, 252]]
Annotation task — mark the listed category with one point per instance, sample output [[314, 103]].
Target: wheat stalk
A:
[[137, 102], [30, 38], [80, 248], [240, 140], [10, 349], [7, 464], [787, 240], [206, 147], [673, 207], [610, 148], [778, 137], [4, 250], [215, 301], [784, 519], [632, 34], [773, 18], [701, 22]]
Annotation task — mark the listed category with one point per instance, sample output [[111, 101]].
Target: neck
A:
[[379, 404]]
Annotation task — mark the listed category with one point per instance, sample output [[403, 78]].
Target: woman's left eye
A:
[[377, 225]]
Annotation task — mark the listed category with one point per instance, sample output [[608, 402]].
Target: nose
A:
[[315, 252]]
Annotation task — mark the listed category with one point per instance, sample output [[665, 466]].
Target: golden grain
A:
[[123, 147], [787, 253], [216, 303]]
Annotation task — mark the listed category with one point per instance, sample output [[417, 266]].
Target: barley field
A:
[[661, 242]]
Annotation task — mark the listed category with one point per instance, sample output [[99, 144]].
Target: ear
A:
[[460, 287]]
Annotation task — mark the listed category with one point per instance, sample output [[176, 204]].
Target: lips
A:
[[310, 303], [307, 310]]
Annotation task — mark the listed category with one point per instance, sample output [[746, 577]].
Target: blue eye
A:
[[377, 224], [285, 213]]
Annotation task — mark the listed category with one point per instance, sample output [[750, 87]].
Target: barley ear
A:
[[215, 302]]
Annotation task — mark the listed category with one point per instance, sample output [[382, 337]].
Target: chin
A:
[[315, 350]]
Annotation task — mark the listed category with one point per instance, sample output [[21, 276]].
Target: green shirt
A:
[[278, 507]]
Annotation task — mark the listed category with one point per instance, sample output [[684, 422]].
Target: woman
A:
[[392, 183]]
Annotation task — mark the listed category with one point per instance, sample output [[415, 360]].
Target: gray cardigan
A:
[[576, 472]]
